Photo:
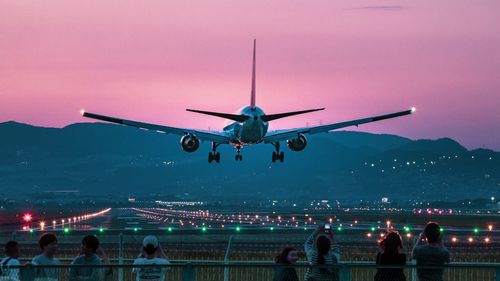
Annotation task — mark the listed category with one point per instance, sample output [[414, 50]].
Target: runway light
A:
[[169, 229], [373, 228], [27, 217], [66, 230], [487, 240], [490, 227], [238, 229], [101, 230], [31, 231], [476, 230], [135, 229], [441, 229], [407, 228], [408, 235], [339, 229], [470, 239], [272, 228], [369, 235]]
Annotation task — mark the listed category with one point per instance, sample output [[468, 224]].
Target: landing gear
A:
[[238, 156], [277, 155], [214, 156]]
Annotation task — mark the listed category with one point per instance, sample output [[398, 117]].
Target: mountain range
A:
[[99, 158]]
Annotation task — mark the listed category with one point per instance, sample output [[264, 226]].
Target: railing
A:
[[259, 271]]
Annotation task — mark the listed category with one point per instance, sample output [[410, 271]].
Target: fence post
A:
[[188, 273], [345, 273], [120, 257], [27, 273], [227, 257]]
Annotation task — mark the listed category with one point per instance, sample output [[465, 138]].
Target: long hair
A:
[[392, 243], [323, 245], [281, 258]]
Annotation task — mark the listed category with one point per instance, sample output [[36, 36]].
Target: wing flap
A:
[[218, 137], [288, 134]]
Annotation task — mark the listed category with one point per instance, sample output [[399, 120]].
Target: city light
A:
[[454, 239], [369, 235], [487, 240], [490, 227], [470, 239]]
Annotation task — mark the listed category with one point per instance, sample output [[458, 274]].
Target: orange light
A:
[[470, 239], [490, 227], [82, 112], [487, 240], [382, 234], [454, 239], [369, 235], [408, 235]]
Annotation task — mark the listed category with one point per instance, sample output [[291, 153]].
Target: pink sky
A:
[[149, 60]]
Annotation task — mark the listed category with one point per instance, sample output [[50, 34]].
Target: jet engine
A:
[[190, 143], [297, 144]]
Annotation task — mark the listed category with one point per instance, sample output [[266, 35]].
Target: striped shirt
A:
[[321, 274]]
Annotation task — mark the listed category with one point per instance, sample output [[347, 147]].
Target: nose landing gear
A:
[[238, 156]]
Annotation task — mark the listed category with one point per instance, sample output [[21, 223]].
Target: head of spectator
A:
[[90, 243], [48, 244], [392, 243], [323, 245], [12, 249], [288, 255], [150, 245], [432, 232]]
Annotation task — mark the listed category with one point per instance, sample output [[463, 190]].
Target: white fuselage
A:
[[251, 131]]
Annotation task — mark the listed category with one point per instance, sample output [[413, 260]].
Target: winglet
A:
[[252, 99]]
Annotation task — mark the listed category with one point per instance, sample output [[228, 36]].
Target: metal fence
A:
[[257, 271]]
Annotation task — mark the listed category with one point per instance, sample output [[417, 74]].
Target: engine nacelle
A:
[[297, 144], [190, 143]]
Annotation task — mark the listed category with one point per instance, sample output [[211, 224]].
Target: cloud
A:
[[379, 8]]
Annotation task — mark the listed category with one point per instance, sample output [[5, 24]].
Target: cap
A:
[[150, 240]]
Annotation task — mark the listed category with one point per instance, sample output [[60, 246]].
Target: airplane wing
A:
[[213, 136], [281, 135]]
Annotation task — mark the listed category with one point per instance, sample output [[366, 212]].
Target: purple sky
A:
[[149, 60]]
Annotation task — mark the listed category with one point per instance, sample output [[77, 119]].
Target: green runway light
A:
[[66, 230], [31, 231], [441, 230], [169, 229], [305, 228], [407, 229], [272, 228], [238, 229], [339, 228], [101, 230], [204, 229], [135, 229], [476, 230], [373, 229]]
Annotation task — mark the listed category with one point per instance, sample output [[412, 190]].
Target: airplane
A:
[[250, 127]]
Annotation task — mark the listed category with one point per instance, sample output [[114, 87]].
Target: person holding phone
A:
[[429, 250], [320, 250]]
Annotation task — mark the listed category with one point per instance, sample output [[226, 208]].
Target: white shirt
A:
[[151, 273], [9, 274]]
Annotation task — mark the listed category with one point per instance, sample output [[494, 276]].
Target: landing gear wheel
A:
[[214, 156], [210, 157], [238, 157], [282, 157], [217, 157], [274, 156]]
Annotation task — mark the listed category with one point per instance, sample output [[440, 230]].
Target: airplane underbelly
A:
[[251, 134]]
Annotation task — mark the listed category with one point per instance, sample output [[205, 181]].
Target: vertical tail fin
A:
[[252, 99]]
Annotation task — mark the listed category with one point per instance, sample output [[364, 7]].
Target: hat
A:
[[150, 240]]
